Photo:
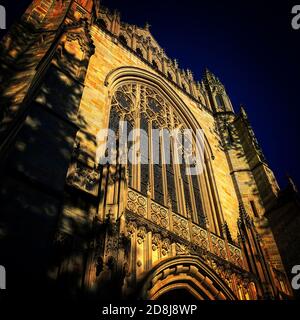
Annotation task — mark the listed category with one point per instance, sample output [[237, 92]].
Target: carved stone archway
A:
[[185, 272]]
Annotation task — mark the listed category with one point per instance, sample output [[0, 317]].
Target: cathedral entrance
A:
[[185, 278]]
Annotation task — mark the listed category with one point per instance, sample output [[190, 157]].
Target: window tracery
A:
[[158, 170]]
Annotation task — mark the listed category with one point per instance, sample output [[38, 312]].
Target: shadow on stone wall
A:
[[34, 167]]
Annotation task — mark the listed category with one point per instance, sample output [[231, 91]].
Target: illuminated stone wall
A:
[[90, 229]]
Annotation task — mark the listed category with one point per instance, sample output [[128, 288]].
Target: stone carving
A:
[[196, 235], [235, 255], [156, 238], [218, 245], [130, 229], [198, 245], [139, 40], [84, 178], [159, 215], [141, 235], [224, 271], [182, 249], [111, 246], [80, 31], [166, 247], [136, 203], [199, 237], [181, 227]]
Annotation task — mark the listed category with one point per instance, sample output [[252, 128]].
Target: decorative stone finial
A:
[[226, 231], [147, 26], [189, 75], [243, 111], [292, 184], [176, 63]]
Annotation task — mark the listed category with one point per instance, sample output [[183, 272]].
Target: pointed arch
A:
[[211, 212], [185, 272], [115, 77]]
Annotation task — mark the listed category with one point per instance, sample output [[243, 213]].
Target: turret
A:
[[218, 97]]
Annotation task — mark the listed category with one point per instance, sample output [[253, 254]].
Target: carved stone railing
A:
[[159, 215], [137, 203], [180, 226], [235, 255], [218, 246]]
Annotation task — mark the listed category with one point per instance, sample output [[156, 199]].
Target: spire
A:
[[211, 79], [176, 63], [207, 71], [210, 75], [244, 219], [243, 111], [226, 232], [117, 15], [207, 74], [97, 7], [292, 184], [190, 75], [244, 116], [147, 26]]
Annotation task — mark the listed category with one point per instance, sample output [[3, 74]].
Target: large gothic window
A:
[[161, 169]]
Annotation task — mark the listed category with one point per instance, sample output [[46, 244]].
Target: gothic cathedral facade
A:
[[142, 230]]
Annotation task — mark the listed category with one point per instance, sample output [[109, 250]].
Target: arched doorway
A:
[[184, 277]]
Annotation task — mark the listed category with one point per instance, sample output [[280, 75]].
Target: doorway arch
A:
[[189, 273]]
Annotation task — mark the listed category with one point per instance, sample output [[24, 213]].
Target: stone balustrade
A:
[[182, 227]]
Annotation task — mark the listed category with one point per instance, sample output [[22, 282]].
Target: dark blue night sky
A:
[[249, 45]]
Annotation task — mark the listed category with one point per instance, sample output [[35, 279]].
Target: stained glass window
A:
[[198, 201], [171, 177], [130, 127], [144, 154], [144, 107], [157, 168]]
